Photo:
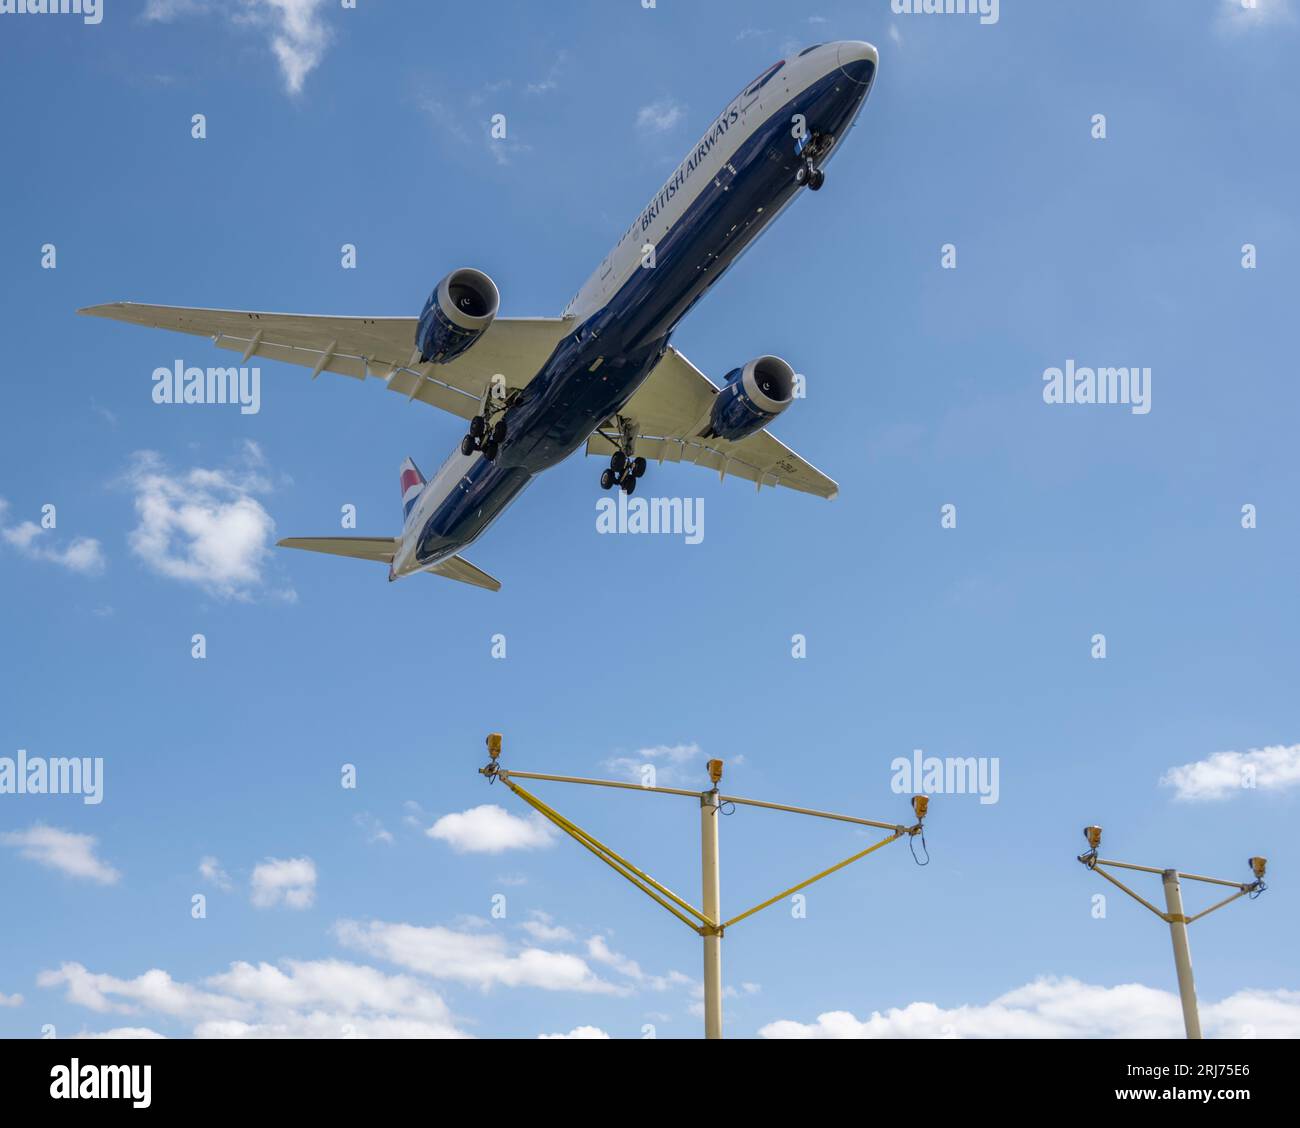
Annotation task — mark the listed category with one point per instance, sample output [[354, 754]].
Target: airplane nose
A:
[[858, 60]]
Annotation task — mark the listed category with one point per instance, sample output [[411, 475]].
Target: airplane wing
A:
[[382, 347], [670, 410]]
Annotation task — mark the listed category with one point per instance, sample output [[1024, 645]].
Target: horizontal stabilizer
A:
[[380, 549], [458, 568], [383, 549]]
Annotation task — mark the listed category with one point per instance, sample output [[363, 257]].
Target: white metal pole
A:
[[712, 908], [1182, 952]]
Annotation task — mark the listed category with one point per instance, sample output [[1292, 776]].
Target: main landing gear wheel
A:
[[623, 471], [483, 437], [809, 174]]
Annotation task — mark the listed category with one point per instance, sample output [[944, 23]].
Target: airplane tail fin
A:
[[412, 483]]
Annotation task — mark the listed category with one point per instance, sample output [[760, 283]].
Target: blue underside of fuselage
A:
[[566, 401]]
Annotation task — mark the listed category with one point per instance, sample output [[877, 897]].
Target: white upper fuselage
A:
[[705, 168]]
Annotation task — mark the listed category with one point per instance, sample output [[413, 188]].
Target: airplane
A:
[[603, 373]]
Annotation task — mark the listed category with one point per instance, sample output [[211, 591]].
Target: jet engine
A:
[[456, 315], [751, 398]]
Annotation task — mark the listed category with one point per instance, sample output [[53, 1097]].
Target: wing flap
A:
[[668, 411], [383, 347]]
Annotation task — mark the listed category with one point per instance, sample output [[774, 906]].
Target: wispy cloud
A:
[[669, 762], [211, 871], [1235, 17], [374, 829], [542, 927], [660, 117], [62, 850], [1224, 774], [476, 958], [294, 29], [10, 1000], [552, 79], [82, 555], [490, 829]]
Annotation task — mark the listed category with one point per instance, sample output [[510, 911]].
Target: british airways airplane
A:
[[603, 373]]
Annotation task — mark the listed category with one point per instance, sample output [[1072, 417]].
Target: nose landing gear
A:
[[809, 174], [811, 150]]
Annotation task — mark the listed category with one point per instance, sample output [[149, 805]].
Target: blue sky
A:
[[334, 911]]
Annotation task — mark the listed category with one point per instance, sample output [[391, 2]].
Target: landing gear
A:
[[624, 467], [810, 175], [484, 436], [812, 150]]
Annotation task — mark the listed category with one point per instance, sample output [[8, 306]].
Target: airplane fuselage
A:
[[732, 185]]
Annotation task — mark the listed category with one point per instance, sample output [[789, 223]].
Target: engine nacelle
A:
[[456, 315], [752, 397]]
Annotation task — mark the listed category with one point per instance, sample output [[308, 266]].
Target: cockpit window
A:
[[762, 79], [806, 50]]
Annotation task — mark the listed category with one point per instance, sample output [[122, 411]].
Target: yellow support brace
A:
[[825, 873], [616, 862]]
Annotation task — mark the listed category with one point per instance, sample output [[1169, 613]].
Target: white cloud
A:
[[298, 999], [578, 1032], [1234, 17], [374, 829], [491, 829], [154, 990], [895, 35], [211, 871], [473, 958], [1224, 774], [660, 117], [83, 555], [600, 951], [295, 28], [287, 881], [10, 1000], [124, 1032], [542, 928], [69, 853], [668, 761], [1063, 1008], [552, 79], [203, 527]]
